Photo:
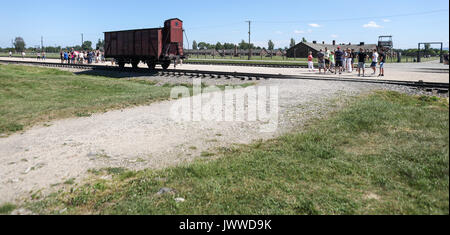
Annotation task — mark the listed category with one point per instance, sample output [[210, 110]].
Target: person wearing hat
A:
[[339, 57]]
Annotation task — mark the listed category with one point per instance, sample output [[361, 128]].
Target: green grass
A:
[[30, 95], [70, 181], [7, 208], [386, 153], [226, 61], [32, 55], [33, 95]]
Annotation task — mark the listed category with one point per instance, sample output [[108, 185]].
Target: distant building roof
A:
[[318, 46]]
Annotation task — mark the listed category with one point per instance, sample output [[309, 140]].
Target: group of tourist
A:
[[41, 56], [340, 61], [75, 57]]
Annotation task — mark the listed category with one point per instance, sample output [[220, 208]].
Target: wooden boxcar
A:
[[150, 46]]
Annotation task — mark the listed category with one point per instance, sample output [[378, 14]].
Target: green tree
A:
[[229, 46], [304, 39], [194, 45], [87, 45], [202, 45], [100, 44], [292, 42], [19, 44], [243, 45], [219, 46], [271, 45]]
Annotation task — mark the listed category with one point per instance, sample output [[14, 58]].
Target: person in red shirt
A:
[[310, 62]]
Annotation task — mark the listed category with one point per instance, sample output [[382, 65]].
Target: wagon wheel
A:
[[151, 65], [165, 65], [135, 64], [121, 64]]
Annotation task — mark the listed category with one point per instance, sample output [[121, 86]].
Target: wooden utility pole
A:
[[249, 39]]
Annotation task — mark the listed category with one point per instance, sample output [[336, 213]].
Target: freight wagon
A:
[[151, 46]]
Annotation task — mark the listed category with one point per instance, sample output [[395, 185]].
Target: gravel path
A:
[[146, 137]]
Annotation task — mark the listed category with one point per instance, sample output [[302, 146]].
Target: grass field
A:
[[386, 153], [256, 58], [32, 95], [30, 55], [224, 61]]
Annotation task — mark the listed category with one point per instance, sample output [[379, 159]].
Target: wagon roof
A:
[[134, 30], [175, 19], [318, 46]]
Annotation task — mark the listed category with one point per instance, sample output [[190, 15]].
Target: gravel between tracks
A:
[[146, 137]]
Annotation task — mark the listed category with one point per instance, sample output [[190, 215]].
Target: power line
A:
[[354, 19], [249, 39], [215, 26]]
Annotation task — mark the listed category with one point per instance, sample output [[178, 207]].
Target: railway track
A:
[[429, 86], [266, 65]]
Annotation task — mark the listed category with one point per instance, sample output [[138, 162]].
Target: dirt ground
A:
[[147, 137]]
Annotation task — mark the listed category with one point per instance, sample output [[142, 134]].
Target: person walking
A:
[[43, 55], [362, 56], [382, 60], [321, 60], [66, 57], [38, 56], [353, 59], [339, 57], [310, 62], [61, 56], [349, 61], [374, 61], [345, 51], [23, 54], [81, 55], [73, 55], [327, 59], [10, 53], [332, 62]]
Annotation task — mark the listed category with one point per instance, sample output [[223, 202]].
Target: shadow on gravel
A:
[[432, 70], [117, 73]]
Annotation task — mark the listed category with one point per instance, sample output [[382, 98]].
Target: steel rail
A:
[[441, 87]]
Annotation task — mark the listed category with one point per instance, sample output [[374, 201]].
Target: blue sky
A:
[[62, 22]]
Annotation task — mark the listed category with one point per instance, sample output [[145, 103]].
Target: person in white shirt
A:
[[327, 59], [81, 56], [374, 61], [345, 59], [349, 61], [10, 53]]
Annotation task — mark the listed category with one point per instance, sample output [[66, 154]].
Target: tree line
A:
[[243, 45], [427, 51], [19, 45]]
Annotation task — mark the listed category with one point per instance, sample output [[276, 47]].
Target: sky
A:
[[61, 23]]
